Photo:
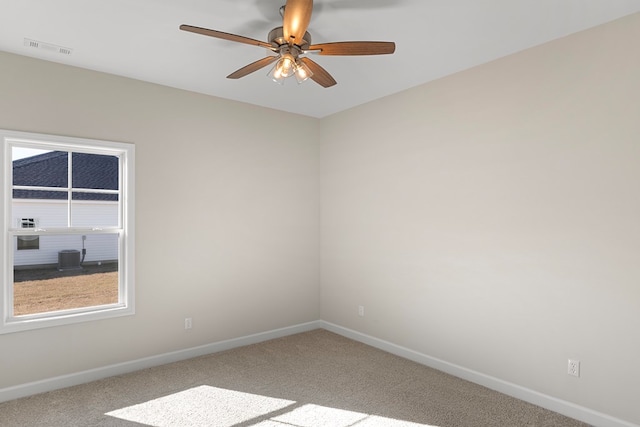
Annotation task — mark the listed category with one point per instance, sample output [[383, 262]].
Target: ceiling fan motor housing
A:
[[276, 38]]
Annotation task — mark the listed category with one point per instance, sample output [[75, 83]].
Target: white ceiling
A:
[[140, 39]]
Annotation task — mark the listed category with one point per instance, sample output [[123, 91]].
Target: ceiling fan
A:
[[291, 41]]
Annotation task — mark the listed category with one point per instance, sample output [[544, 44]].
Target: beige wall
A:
[[227, 215], [492, 218]]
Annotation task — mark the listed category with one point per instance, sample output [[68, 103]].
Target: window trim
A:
[[126, 229]]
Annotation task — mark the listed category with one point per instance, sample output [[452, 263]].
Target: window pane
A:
[[47, 213], [43, 170], [41, 195], [68, 272], [18, 153], [94, 196], [94, 210], [94, 171]]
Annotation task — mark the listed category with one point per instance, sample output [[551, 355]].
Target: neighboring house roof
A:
[[90, 171]]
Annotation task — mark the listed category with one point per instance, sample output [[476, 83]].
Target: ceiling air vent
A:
[[47, 46]]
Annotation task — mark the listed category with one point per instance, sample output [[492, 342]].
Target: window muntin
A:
[[84, 189]]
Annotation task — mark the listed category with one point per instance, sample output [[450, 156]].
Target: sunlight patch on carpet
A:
[[207, 406], [315, 416], [202, 406]]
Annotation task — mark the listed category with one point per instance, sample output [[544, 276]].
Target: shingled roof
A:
[[90, 171]]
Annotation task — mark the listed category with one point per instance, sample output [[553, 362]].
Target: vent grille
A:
[[35, 44]]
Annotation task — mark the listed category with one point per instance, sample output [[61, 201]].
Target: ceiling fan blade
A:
[[297, 15], [254, 66], [225, 36], [354, 48], [320, 75]]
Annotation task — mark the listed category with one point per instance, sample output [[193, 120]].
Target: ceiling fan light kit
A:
[[288, 66], [292, 40], [289, 63]]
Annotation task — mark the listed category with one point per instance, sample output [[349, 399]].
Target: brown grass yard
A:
[[82, 289]]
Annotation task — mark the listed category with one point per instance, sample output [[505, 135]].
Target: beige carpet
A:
[[314, 379]]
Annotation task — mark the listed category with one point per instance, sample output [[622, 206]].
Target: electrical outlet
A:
[[360, 310], [188, 324], [574, 368]]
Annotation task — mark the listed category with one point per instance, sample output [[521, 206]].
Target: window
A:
[[28, 242], [68, 230]]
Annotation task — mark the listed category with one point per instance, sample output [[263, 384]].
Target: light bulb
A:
[[276, 74], [302, 72], [286, 65]]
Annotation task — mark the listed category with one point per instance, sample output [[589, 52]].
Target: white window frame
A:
[[125, 229]]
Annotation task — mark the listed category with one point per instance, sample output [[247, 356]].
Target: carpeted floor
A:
[[314, 379]]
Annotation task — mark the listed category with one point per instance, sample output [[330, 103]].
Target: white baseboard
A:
[[28, 389], [554, 404], [560, 406]]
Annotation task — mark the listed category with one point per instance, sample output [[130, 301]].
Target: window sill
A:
[[30, 322]]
